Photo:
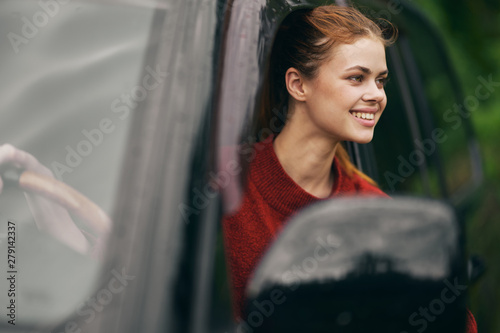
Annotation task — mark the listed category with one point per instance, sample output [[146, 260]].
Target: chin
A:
[[363, 139]]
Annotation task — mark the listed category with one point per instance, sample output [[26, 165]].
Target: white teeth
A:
[[364, 115]]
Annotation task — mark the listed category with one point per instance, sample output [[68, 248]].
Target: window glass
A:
[[72, 74]]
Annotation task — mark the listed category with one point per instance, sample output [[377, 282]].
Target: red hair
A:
[[304, 41]]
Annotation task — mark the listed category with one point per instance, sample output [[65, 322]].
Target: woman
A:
[[328, 69]]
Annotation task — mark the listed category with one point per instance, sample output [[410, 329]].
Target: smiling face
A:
[[346, 98]]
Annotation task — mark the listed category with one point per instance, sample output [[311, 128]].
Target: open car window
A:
[[420, 148]]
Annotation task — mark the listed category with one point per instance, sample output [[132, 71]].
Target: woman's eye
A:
[[382, 81], [356, 78]]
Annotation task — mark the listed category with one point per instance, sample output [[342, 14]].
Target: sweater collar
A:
[[277, 188]]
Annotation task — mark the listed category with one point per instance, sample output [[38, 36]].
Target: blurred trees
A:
[[471, 32]]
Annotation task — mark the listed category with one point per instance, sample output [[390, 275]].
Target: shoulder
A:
[[364, 187], [354, 184]]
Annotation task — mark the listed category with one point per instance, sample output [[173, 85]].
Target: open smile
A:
[[364, 117]]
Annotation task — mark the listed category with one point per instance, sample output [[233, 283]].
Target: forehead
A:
[[366, 52]]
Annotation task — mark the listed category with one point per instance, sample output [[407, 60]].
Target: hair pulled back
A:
[[304, 41]]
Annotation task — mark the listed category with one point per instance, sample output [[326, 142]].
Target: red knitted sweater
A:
[[270, 198]]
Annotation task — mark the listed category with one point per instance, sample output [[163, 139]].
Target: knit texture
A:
[[271, 197]]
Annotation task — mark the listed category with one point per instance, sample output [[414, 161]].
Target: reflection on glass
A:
[[71, 78]]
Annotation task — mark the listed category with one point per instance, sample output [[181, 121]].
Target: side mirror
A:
[[363, 265]]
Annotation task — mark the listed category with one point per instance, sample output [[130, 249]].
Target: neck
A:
[[306, 156]]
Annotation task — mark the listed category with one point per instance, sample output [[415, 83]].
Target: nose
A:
[[374, 93]]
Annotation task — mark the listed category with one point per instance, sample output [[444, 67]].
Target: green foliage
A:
[[471, 31]]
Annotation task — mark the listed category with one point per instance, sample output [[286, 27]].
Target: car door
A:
[[164, 266], [189, 291]]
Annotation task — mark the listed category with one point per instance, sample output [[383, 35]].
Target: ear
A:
[[295, 84]]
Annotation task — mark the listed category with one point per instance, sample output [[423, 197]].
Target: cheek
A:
[[383, 104], [344, 97]]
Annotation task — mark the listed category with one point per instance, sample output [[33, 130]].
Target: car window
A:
[[415, 147], [72, 75]]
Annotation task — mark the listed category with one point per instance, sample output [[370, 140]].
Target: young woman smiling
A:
[[328, 70]]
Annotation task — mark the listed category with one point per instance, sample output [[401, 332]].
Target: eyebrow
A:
[[366, 70]]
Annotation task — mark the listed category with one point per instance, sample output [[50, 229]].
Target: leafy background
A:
[[471, 32]]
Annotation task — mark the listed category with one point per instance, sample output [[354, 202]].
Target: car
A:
[[134, 104]]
